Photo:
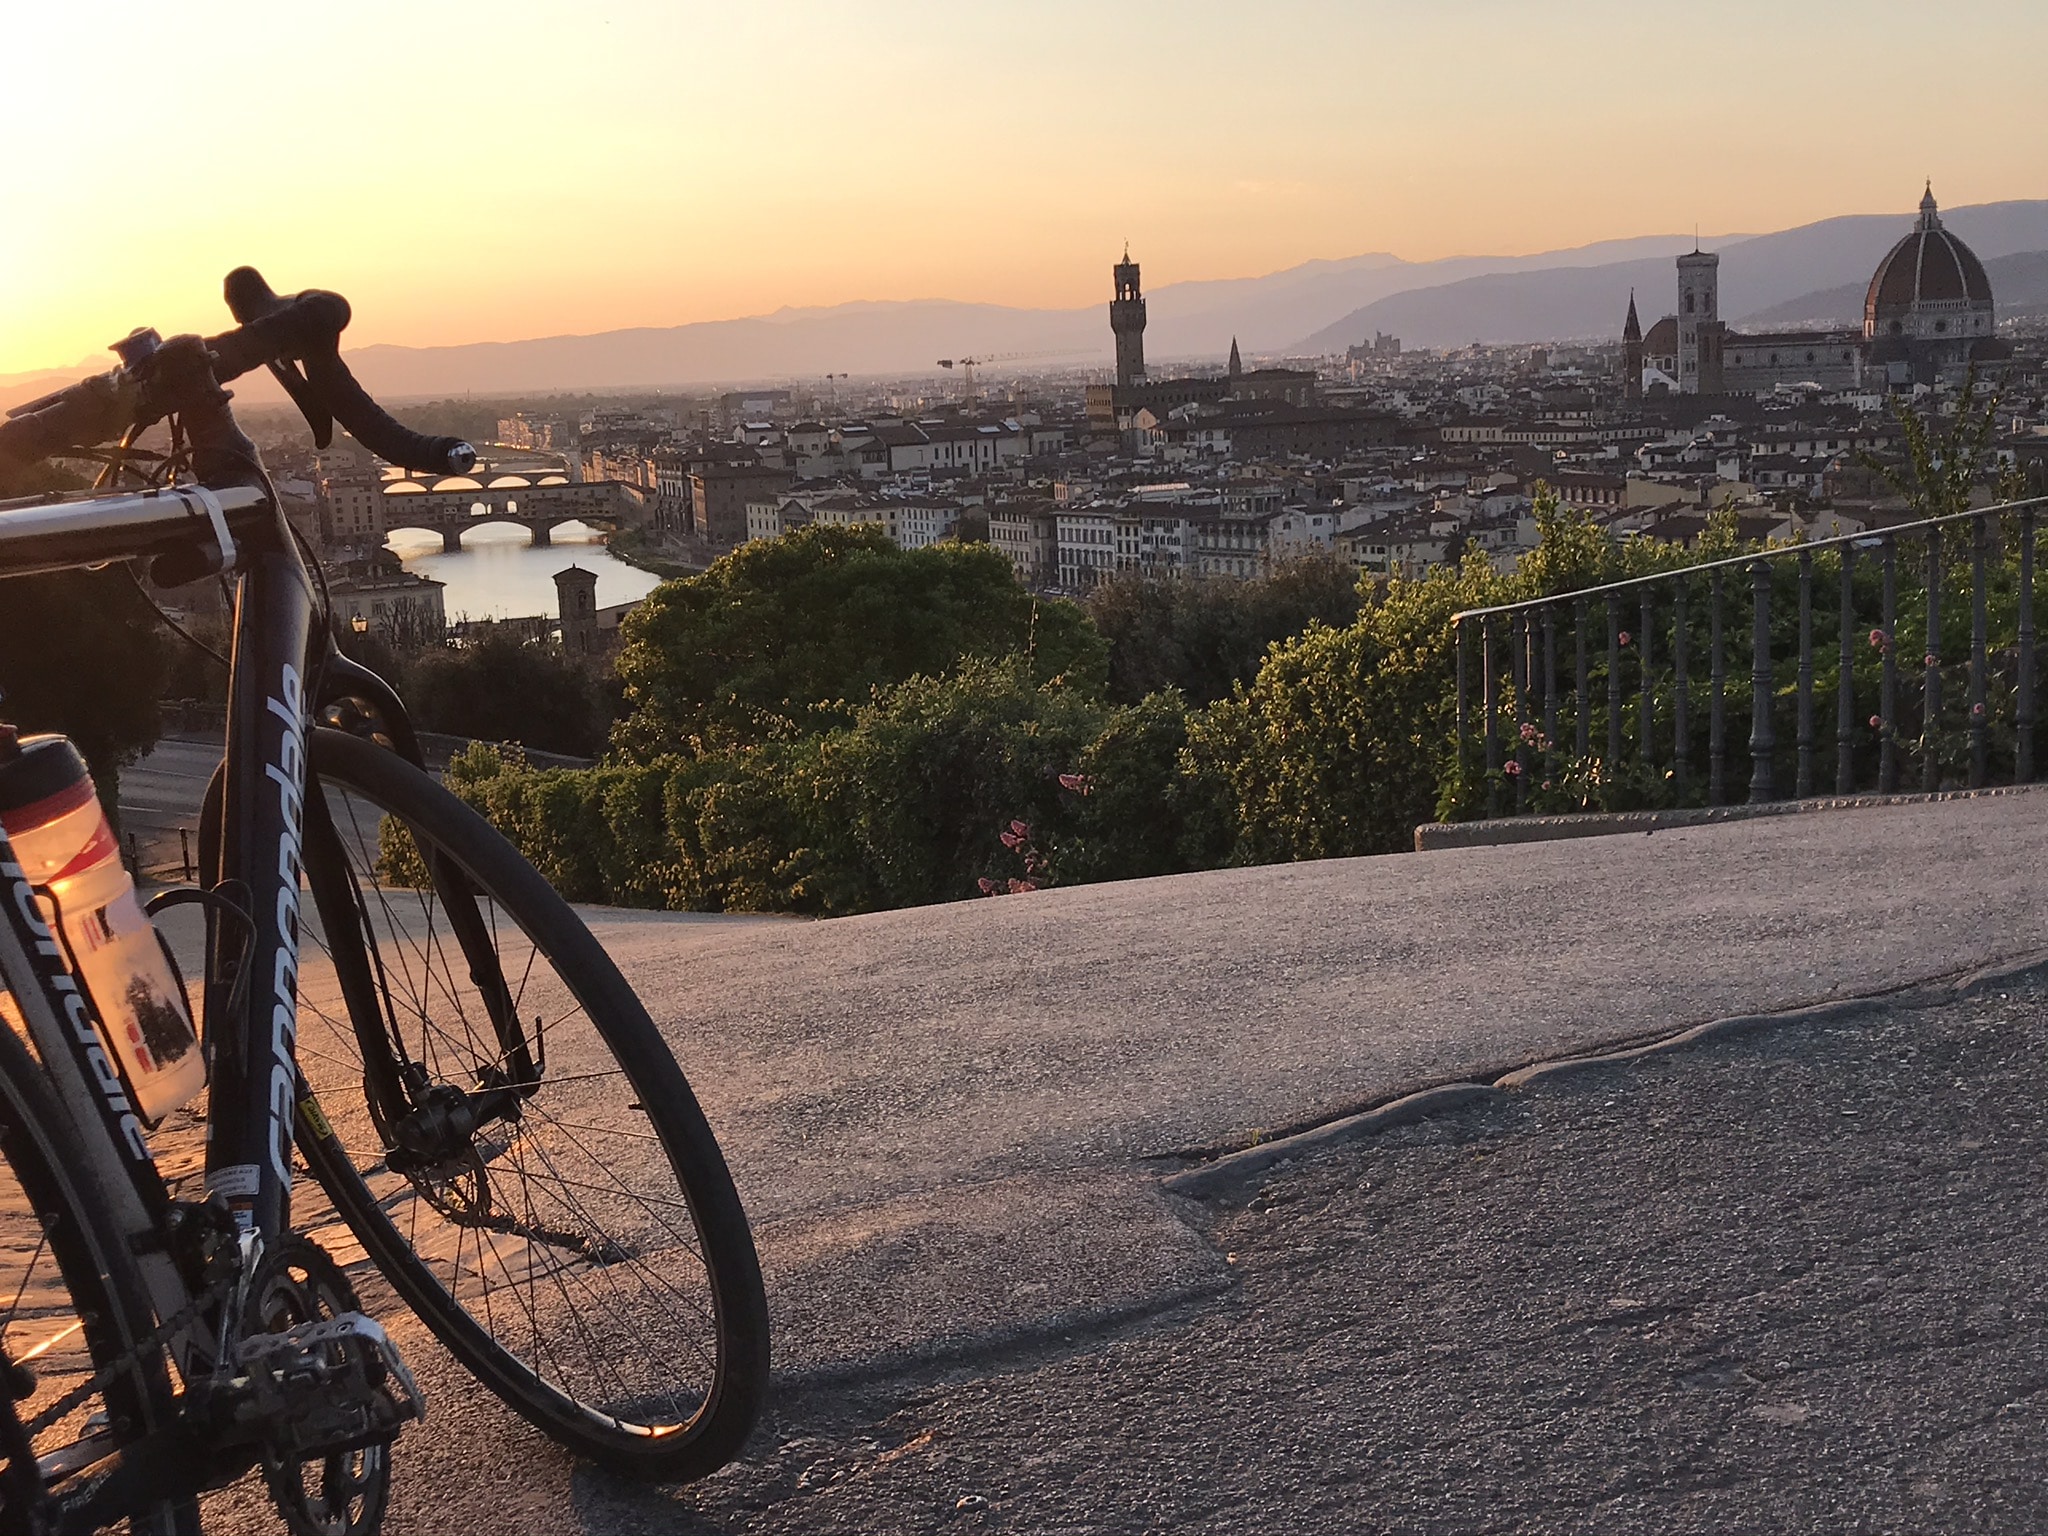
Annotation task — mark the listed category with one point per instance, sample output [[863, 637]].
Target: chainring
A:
[[342, 1494]]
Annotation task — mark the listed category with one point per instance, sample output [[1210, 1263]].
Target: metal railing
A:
[[1649, 689]]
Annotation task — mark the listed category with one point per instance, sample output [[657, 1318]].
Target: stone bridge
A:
[[538, 501]]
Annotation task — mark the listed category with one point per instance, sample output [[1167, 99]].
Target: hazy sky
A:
[[467, 171]]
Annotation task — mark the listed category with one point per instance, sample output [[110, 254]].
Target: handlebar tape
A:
[[372, 426]]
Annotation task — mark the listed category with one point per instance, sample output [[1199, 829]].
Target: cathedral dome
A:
[[1931, 286]]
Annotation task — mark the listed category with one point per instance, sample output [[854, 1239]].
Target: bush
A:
[[1338, 745], [907, 803]]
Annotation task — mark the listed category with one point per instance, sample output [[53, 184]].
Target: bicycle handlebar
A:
[[307, 327], [276, 332]]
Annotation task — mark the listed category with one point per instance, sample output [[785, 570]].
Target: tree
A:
[[1204, 637], [786, 636], [1940, 466], [499, 687]]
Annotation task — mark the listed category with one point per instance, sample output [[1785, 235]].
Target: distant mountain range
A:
[[1761, 276], [1185, 320], [1787, 277]]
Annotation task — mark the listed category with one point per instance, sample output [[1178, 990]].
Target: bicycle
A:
[[483, 1105]]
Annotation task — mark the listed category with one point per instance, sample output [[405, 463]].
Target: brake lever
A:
[[307, 399], [250, 298]]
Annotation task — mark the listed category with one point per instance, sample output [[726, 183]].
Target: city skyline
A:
[[537, 185]]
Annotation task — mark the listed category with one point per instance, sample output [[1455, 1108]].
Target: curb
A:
[[1502, 831], [1234, 1167]]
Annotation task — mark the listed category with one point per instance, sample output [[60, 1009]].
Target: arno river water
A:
[[499, 575]]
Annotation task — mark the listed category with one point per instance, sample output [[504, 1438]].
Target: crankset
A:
[[327, 1393]]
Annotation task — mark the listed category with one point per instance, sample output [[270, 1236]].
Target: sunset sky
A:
[[470, 172]]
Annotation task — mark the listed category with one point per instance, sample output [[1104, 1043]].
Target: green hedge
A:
[[906, 805]]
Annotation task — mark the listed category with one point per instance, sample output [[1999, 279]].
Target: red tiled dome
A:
[[1929, 266]]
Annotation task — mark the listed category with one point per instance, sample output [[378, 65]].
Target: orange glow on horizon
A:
[[642, 164]]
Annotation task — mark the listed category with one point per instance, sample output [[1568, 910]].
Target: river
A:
[[499, 575]]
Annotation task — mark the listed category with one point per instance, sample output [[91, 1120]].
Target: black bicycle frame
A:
[[262, 810]]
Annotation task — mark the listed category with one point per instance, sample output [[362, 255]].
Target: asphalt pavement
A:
[[1788, 1282], [951, 1125]]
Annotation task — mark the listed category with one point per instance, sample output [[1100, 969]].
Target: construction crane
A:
[[967, 365]]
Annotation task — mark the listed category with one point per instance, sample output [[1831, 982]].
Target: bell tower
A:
[[1127, 320], [1699, 323]]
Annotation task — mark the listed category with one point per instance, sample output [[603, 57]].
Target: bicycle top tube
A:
[[57, 533]]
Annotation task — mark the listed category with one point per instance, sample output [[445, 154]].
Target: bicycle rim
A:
[[585, 1255]]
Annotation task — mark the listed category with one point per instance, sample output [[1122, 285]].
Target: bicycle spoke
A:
[[562, 1232]]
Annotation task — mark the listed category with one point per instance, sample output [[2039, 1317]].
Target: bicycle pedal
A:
[[320, 1388]]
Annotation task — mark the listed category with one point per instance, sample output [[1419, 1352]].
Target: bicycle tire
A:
[[346, 1146], [107, 1302]]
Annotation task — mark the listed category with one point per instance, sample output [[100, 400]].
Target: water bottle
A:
[[62, 842]]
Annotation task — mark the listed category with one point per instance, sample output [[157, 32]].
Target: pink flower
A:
[[1021, 828], [1512, 770], [1079, 783], [1019, 887], [1876, 722], [1879, 638], [1012, 840], [1528, 733], [1624, 637], [1930, 660], [989, 887], [1546, 784], [1977, 710]]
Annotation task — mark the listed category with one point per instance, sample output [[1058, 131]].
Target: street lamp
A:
[[359, 624]]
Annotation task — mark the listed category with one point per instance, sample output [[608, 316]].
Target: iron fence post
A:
[[1803, 773], [2023, 764], [1582, 708], [1930, 687], [1613, 684], [1845, 686], [1463, 726], [1763, 739], [1648, 710], [1489, 709], [1980, 530], [1518, 673], [1550, 675], [1680, 746], [1888, 685], [1717, 701]]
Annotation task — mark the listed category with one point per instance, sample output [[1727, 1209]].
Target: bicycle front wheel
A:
[[500, 1124]]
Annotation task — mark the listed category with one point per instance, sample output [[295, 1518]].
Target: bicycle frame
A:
[[284, 670]]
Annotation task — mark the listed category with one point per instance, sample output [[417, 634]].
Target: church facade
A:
[[1928, 318]]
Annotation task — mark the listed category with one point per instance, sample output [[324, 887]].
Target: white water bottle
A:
[[62, 842]]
